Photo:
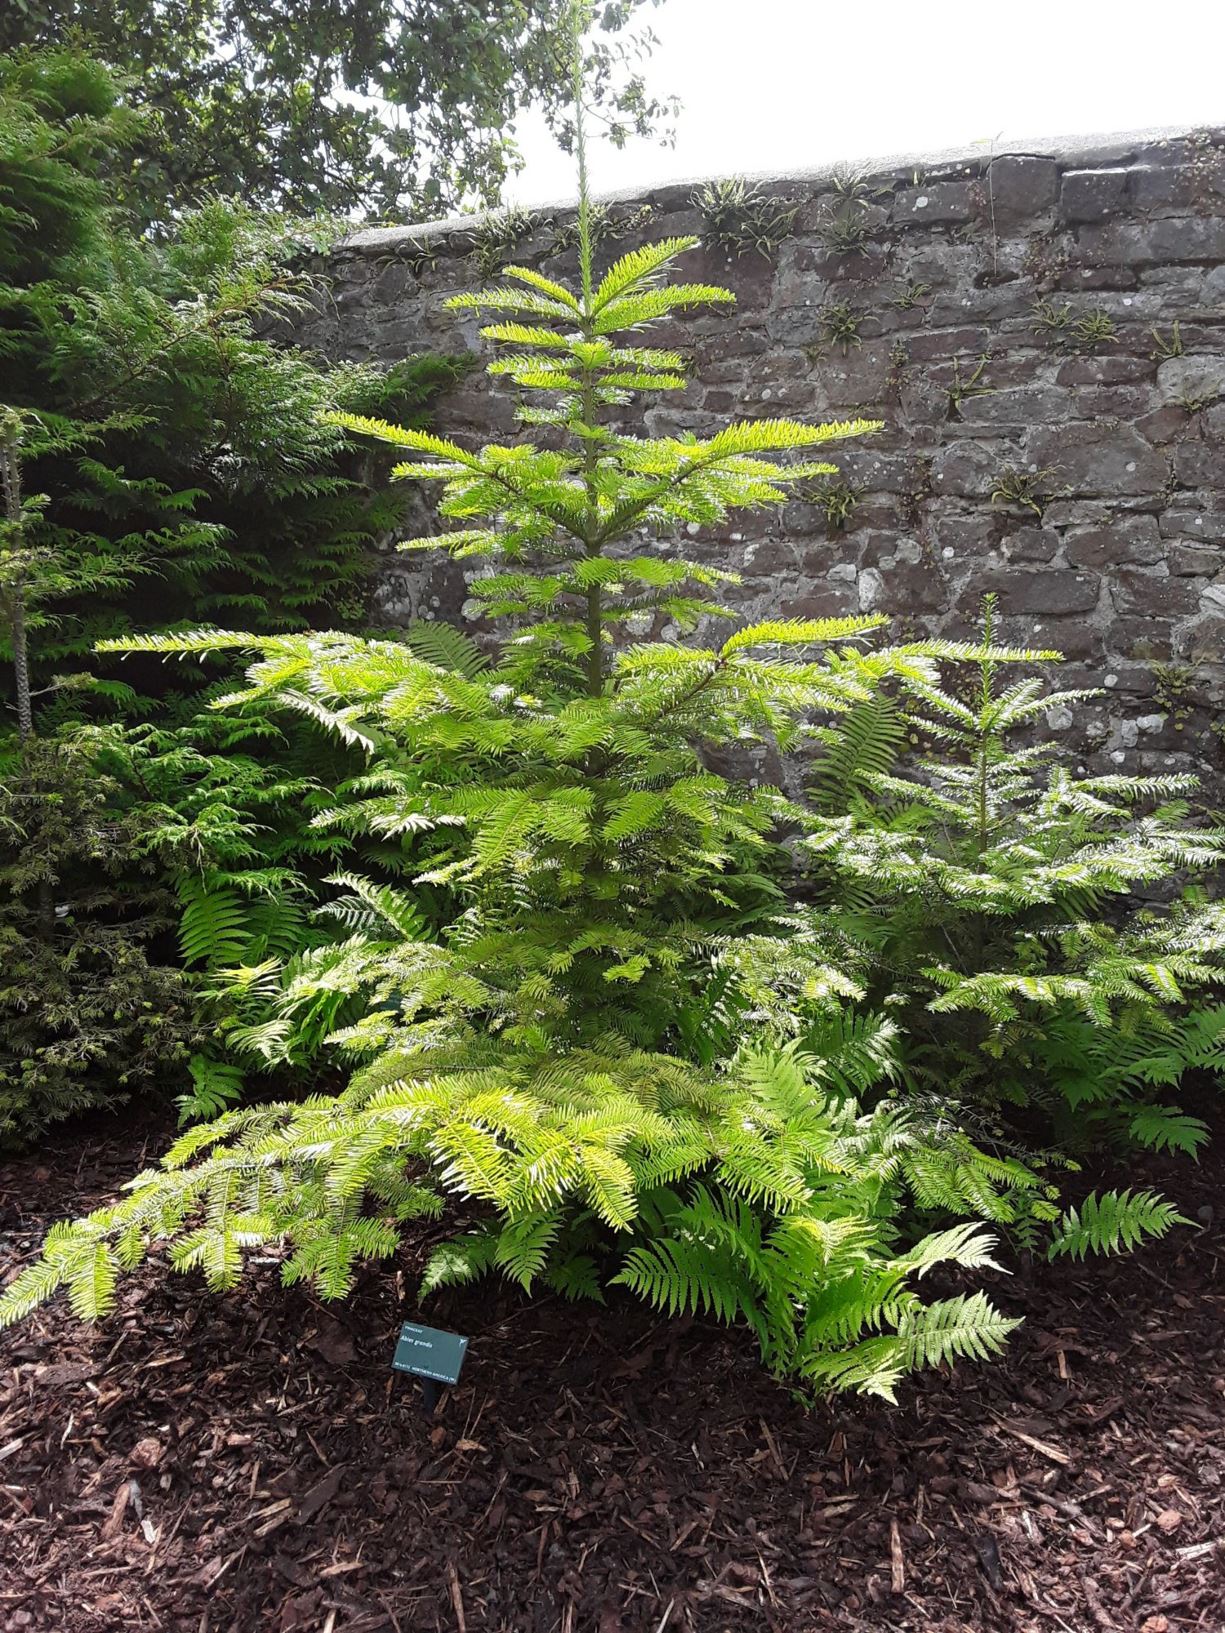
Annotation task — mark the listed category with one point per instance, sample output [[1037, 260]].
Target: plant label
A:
[[427, 1352]]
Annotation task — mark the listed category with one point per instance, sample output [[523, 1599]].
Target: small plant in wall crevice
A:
[[836, 499], [843, 227], [1016, 488], [840, 324], [1167, 346], [741, 218], [496, 235], [963, 386], [912, 295], [1173, 687]]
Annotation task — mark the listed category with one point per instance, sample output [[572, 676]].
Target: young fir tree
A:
[[986, 897], [546, 1058]]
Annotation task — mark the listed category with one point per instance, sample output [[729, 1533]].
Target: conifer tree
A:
[[160, 458], [987, 897]]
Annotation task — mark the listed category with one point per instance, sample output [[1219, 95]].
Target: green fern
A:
[[215, 1086], [1114, 1222], [447, 647], [213, 928]]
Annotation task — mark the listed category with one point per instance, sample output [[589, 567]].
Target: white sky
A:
[[786, 85]]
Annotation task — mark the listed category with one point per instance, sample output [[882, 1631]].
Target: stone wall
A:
[[1043, 333]]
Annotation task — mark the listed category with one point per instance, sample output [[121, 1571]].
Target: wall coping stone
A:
[[1087, 152]]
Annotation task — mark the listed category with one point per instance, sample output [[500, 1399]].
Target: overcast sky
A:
[[784, 85]]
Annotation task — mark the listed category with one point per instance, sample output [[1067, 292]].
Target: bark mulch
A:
[[251, 1463]]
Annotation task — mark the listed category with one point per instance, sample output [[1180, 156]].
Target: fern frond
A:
[[1114, 1222]]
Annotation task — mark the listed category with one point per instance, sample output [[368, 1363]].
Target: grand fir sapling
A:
[[990, 897]]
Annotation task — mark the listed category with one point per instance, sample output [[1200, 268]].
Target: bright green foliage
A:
[[1108, 1223], [224, 805], [748, 1193], [983, 895], [586, 1046], [215, 1085]]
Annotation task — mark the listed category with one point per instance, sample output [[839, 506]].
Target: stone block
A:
[[1032, 544], [942, 202], [1131, 403], [945, 344], [1198, 526], [1138, 243], [1020, 185], [821, 601], [1103, 371], [1110, 459], [1146, 640], [1195, 377], [1177, 186], [1053, 594], [1131, 540], [1200, 464], [1142, 594], [739, 341], [911, 587], [1193, 560], [860, 374], [921, 402], [968, 304], [1092, 195], [1163, 424], [964, 537], [1022, 406], [1160, 186], [865, 466], [767, 558], [1075, 637], [1098, 277], [968, 469]]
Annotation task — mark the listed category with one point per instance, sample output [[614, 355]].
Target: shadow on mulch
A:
[[251, 1464]]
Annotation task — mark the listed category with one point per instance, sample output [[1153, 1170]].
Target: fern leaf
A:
[[1114, 1222], [964, 1328]]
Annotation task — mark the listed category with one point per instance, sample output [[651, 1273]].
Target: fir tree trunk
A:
[[579, 18], [15, 607], [15, 613]]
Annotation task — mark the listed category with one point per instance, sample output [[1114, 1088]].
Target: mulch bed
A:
[[250, 1463]]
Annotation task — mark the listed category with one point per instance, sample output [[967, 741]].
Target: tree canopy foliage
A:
[[385, 108]]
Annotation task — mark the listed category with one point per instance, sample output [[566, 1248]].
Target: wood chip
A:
[[457, 1598], [1197, 1550], [1042, 1447], [146, 1453], [897, 1561], [321, 1494], [276, 1516], [119, 1507]]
